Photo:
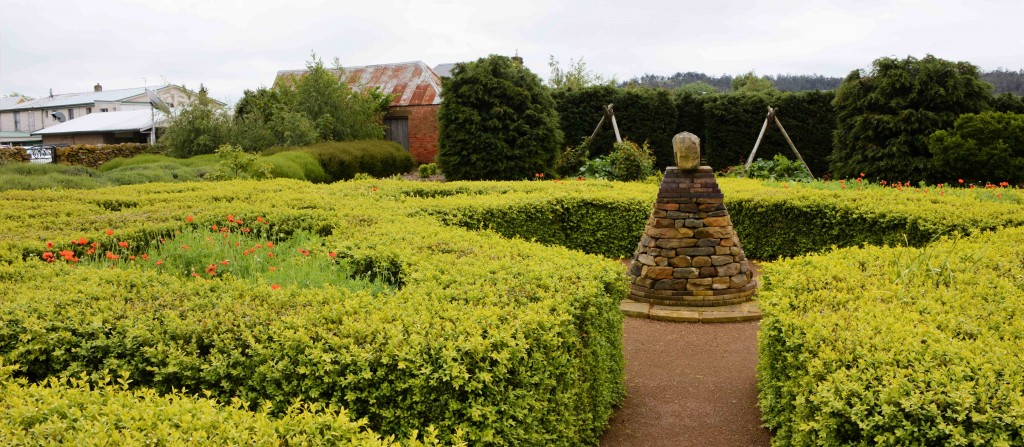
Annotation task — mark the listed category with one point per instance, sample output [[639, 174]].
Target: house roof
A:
[[444, 70], [134, 120], [411, 83], [6, 103], [73, 99]]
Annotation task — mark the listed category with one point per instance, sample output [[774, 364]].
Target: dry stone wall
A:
[[689, 254], [13, 155], [95, 155]]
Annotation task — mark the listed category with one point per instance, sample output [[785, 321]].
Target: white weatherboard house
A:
[[20, 121], [129, 126]]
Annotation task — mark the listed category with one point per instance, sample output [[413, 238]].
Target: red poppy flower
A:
[[49, 244], [214, 227], [332, 254], [123, 244], [159, 262], [110, 232], [275, 286], [188, 219], [270, 245], [273, 269], [112, 256]]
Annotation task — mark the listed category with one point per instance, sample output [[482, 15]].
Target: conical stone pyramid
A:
[[689, 254]]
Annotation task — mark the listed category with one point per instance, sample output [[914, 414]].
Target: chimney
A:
[[97, 87], [518, 60], [51, 93]]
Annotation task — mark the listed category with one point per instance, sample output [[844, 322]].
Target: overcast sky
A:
[[230, 45]]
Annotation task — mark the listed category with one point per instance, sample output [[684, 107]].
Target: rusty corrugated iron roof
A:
[[411, 83]]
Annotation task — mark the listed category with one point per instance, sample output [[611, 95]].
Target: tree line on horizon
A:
[[1002, 81]]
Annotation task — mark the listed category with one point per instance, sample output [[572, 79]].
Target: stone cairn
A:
[[689, 254]]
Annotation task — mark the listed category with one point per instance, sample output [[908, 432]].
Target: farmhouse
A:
[[128, 126], [25, 118], [411, 119]]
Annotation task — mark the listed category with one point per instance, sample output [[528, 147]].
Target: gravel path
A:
[[688, 385]]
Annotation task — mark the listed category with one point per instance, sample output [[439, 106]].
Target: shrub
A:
[[597, 168], [572, 159], [297, 165], [987, 147], [200, 127], [427, 170], [238, 164], [779, 168], [497, 122], [343, 160], [630, 162], [884, 118]]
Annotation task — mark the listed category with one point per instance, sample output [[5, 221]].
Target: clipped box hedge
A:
[[73, 412], [488, 340], [896, 346]]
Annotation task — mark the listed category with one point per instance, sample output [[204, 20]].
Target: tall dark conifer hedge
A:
[[884, 118], [497, 122]]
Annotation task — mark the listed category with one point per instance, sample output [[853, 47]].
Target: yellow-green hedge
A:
[[504, 341], [896, 346], [73, 412], [500, 339]]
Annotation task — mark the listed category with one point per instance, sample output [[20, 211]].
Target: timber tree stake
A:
[[772, 117]]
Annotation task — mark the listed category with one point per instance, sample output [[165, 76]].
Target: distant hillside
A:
[[1003, 81]]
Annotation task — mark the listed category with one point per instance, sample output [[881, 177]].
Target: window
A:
[[88, 110], [71, 114], [17, 121], [103, 110], [32, 121]]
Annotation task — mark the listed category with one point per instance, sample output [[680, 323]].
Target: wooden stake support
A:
[[608, 112], [772, 117]]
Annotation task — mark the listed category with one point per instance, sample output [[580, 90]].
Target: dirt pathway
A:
[[688, 385]]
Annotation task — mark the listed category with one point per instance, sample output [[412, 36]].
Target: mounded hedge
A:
[[896, 346], [342, 160]]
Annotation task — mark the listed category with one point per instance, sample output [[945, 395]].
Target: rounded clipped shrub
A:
[[497, 122], [342, 160], [987, 146], [297, 165]]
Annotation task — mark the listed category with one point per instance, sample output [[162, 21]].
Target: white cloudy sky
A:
[[232, 45]]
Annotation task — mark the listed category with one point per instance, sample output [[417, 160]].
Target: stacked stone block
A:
[[689, 254]]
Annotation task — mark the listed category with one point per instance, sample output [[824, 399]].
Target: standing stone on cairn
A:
[[689, 254]]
